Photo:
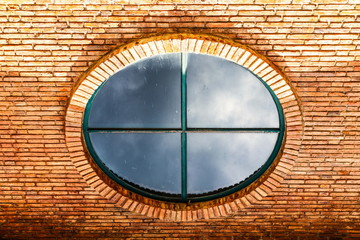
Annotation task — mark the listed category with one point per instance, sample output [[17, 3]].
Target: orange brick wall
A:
[[45, 45]]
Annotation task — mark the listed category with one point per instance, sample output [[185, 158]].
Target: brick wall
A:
[[45, 46]]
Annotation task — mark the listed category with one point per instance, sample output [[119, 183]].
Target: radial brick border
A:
[[126, 54]]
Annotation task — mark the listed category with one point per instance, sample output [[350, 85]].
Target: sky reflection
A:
[[142, 95], [217, 160], [222, 94], [151, 160]]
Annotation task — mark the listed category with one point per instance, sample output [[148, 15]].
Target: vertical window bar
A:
[[183, 168], [183, 128], [183, 91]]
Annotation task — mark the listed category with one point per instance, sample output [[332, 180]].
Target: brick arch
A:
[[127, 54]]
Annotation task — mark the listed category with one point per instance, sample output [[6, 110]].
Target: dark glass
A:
[[220, 160], [149, 160], [145, 94], [223, 94]]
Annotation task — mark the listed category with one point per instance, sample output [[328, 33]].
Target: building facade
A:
[[49, 187]]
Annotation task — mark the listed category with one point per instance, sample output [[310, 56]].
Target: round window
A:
[[184, 127]]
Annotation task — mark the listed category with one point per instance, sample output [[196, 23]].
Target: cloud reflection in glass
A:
[[220, 160], [142, 95], [151, 160], [223, 94]]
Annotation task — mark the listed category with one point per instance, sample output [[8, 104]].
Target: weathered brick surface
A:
[[46, 45]]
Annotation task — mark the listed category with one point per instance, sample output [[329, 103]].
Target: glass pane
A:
[[218, 160], [222, 94], [150, 160], [145, 94]]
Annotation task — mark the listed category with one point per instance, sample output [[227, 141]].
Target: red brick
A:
[[47, 45]]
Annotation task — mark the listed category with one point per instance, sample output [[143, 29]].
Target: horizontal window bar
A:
[[133, 130], [233, 130], [165, 130]]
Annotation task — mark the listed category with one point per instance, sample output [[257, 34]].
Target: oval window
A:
[[184, 127]]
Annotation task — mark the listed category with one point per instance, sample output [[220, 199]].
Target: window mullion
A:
[[183, 168], [183, 91], [183, 128]]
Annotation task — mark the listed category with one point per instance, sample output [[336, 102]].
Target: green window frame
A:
[[184, 198]]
